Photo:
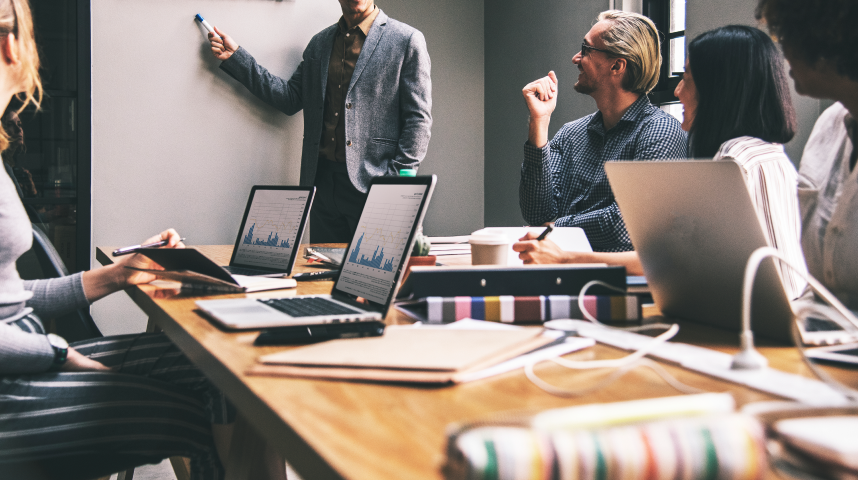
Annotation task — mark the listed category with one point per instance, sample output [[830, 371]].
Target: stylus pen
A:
[[134, 248], [316, 275], [542, 236]]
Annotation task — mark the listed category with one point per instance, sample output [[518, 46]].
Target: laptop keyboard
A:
[[308, 307], [246, 271]]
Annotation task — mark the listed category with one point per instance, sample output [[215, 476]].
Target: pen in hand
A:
[[542, 236], [134, 248]]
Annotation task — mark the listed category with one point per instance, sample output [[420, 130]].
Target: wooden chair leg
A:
[[181, 467]]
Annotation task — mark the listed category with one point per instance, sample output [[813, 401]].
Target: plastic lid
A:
[[488, 239], [408, 172]]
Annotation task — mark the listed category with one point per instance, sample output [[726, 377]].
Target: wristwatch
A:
[[61, 349]]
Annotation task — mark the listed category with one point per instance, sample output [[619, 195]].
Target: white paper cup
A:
[[489, 249]]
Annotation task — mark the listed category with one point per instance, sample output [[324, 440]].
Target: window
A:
[[669, 19]]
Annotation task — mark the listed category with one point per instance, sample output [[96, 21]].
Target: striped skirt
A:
[[83, 425]]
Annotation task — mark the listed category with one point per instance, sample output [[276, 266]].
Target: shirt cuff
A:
[[535, 154]]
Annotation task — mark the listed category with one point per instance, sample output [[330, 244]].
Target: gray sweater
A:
[[22, 352]]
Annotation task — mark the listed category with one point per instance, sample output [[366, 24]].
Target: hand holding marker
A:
[[205, 24], [223, 46]]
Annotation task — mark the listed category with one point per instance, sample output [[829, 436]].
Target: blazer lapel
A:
[[375, 34], [325, 49]]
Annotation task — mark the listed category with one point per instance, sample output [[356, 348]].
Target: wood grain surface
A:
[[338, 429]]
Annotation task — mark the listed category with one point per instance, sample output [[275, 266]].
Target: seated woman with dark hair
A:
[[737, 107]]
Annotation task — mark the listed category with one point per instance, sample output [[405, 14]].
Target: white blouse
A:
[[828, 194], [772, 182]]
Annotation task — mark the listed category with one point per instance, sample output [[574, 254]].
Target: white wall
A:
[[176, 142]]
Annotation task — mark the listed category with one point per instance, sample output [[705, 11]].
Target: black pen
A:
[[134, 248], [316, 275], [542, 236]]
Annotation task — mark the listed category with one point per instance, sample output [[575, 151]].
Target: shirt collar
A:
[[633, 114], [364, 26]]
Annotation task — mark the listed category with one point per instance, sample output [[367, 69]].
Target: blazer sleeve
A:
[[415, 87], [286, 96]]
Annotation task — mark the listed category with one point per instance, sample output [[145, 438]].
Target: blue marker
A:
[[205, 24]]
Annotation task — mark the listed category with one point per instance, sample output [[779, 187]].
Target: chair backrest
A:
[[74, 326]]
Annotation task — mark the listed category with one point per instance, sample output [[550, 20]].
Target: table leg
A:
[[244, 451]]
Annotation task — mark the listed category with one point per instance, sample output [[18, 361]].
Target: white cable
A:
[[616, 375], [591, 318], [805, 309], [620, 362]]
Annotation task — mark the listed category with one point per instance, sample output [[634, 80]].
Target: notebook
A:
[[406, 354], [694, 227], [271, 231], [369, 275]]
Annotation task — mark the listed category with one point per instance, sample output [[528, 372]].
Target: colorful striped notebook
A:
[[510, 309]]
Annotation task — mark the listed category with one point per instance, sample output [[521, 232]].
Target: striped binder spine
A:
[[511, 309]]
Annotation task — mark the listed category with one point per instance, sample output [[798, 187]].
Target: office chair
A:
[[43, 261]]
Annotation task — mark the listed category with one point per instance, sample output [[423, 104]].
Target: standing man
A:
[[564, 181], [365, 90]]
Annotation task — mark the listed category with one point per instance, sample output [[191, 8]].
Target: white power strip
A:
[[712, 363]]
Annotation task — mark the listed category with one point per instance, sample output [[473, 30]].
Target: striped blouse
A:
[[772, 183]]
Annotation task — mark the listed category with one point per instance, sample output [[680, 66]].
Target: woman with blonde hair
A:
[[95, 407]]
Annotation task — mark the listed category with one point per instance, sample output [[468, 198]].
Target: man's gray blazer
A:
[[388, 102]]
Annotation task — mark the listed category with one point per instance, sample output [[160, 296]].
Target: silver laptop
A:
[[694, 226], [271, 230], [369, 275]]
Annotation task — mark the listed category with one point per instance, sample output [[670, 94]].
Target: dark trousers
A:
[[337, 207]]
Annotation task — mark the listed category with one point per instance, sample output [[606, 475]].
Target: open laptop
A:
[[694, 226], [271, 230], [369, 275]]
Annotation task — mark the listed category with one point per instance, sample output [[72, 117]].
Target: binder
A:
[[491, 281]]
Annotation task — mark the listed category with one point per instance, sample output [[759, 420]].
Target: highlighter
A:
[[205, 24]]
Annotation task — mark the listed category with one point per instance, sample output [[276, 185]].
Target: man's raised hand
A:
[[541, 96]]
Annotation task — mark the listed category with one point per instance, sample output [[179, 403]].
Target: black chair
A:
[[43, 261]]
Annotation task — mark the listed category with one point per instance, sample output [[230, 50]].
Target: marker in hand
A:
[[205, 24], [134, 248]]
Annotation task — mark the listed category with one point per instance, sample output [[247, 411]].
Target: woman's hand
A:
[[103, 281], [134, 277], [75, 362]]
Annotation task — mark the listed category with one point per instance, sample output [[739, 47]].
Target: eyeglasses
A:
[[585, 47]]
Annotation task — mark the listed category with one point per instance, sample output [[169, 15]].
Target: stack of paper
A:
[[409, 354]]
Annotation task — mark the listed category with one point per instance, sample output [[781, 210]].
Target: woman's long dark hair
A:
[[741, 89]]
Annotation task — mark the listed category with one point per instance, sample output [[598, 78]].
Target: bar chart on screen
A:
[[381, 239], [271, 228]]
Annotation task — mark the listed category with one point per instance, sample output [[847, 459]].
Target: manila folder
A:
[[405, 354]]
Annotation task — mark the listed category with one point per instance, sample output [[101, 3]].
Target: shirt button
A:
[[336, 114], [333, 139], [349, 106], [349, 143], [348, 34]]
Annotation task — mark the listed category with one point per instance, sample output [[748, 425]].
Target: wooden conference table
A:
[[349, 430]]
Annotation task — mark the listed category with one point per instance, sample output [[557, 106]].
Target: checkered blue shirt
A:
[[565, 181]]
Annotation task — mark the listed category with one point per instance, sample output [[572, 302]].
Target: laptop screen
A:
[[385, 231], [272, 227]]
